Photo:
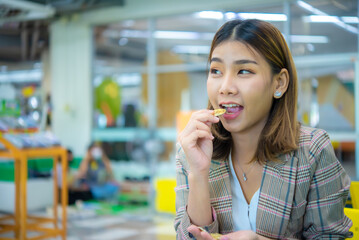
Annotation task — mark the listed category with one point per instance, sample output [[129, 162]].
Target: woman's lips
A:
[[232, 112]]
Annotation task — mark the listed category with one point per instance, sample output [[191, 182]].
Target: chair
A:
[[166, 196], [354, 194], [353, 214]]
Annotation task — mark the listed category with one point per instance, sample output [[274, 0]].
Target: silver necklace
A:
[[249, 170]]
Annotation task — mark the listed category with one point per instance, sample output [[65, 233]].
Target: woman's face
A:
[[240, 80]]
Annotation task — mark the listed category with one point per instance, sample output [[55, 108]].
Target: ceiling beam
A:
[[32, 10], [136, 9]]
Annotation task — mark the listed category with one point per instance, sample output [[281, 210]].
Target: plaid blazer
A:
[[302, 196]]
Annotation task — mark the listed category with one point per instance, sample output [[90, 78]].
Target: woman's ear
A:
[[281, 82]]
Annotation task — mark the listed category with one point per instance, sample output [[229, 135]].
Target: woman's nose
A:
[[228, 86]]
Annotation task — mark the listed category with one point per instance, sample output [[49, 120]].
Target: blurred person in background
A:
[[95, 174]]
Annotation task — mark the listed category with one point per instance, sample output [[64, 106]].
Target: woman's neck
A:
[[245, 145]]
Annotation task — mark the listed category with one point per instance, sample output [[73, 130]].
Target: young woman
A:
[[254, 172]]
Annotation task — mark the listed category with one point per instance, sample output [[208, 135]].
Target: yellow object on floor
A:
[[166, 196], [354, 194], [353, 214]]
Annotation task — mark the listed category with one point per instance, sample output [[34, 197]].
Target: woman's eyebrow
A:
[[245, 61], [238, 62], [216, 60]]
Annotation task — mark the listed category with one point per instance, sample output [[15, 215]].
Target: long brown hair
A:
[[281, 132]]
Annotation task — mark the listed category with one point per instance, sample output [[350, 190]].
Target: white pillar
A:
[[71, 88]]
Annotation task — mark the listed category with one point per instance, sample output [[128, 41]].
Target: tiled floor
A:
[[122, 228], [136, 225]]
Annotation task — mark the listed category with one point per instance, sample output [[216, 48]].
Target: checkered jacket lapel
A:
[[273, 208], [221, 196], [276, 196]]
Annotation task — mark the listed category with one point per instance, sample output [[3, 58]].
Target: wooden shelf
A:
[[22, 222]]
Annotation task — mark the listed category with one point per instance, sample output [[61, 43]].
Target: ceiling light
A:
[[321, 18], [176, 35], [230, 15], [134, 34], [166, 35], [332, 19], [34, 75], [209, 15], [191, 49], [309, 7], [316, 11], [274, 17], [350, 19], [308, 39]]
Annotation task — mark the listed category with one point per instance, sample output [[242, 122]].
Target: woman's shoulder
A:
[[310, 136], [312, 143]]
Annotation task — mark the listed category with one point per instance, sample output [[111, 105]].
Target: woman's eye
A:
[[244, 71], [215, 71]]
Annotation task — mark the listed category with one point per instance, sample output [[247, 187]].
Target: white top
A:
[[244, 215]]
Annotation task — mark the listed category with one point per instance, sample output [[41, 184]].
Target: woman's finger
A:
[[202, 126], [193, 137], [199, 235], [205, 116]]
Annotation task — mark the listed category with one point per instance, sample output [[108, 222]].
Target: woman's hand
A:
[[242, 235], [196, 140], [198, 234]]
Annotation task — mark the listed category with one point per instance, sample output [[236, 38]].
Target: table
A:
[[22, 222]]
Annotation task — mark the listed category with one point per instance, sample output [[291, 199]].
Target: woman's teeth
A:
[[231, 108], [230, 105]]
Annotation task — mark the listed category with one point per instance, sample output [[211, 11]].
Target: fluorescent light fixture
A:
[[128, 79], [183, 35], [209, 15], [321, 18], [230, 15], [176, 35], [330, 19], [134, 34], [191, 49], [273, 17], [349, 19], [316, 11], [22, 76], [166, 35], [308, 39], [310, 8]]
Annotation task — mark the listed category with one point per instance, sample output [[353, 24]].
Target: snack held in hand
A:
[[216, 236], [219, 112]]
